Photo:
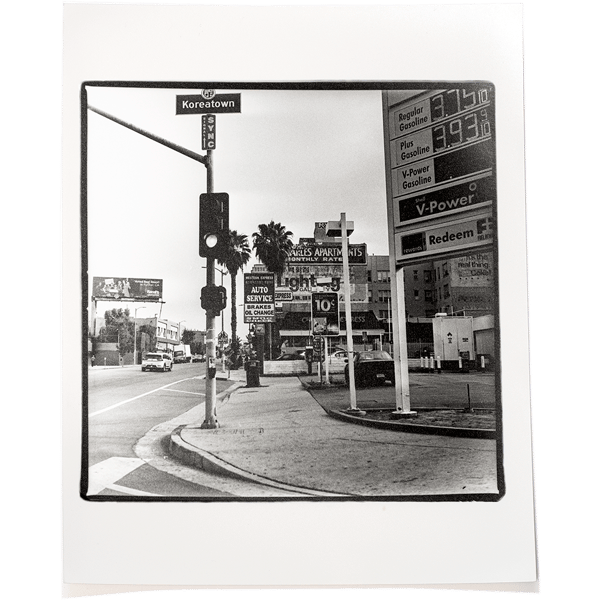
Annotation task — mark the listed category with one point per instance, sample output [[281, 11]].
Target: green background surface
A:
[[560, 44]]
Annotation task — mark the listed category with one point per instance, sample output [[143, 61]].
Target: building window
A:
[[415, 275], [384, 295], [383, 276], [369, 295], [369, 279], [427, 276], [428, 296], [416, 293], [446, 291], [445, 270], [384, 314]]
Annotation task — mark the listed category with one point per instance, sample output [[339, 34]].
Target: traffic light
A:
[[214, 225], [213, 298]]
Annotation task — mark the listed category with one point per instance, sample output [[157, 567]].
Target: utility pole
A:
[[210, 402]]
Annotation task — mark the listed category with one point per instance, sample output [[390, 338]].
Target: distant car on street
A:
[[372, 368], [198, 358], [157, 361]]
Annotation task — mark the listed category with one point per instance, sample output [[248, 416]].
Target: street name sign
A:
[[197, 104], [209, 132]]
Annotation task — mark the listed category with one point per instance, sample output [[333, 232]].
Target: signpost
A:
[[441, 187], [207, 103], [440, 168]]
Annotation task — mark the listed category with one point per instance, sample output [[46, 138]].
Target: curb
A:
[[486, 434], [194, 456]]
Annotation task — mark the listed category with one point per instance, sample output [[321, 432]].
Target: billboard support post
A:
[[348, 312]]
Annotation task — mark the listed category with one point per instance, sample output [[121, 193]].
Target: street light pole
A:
[[210, 418]]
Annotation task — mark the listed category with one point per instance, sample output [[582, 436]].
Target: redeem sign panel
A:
[[440, 169]]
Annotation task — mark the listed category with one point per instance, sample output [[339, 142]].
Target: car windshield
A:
[[153, 357], [380, 355]]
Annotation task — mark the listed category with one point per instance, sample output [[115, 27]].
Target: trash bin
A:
[[252, 373]]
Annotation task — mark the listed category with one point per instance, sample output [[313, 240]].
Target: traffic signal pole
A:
[[210, 402]]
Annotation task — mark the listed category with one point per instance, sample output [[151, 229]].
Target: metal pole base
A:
[[403, 414], [210, 425], [354, 411]]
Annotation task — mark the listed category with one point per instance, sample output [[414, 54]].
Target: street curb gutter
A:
[[194, 456], [486, 434]]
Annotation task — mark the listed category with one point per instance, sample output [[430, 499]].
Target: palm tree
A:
[[273, 246], [238, 254]]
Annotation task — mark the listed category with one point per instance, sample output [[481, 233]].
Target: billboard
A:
[[325, 311], [473, 270], [259, 298], [127, 288], [313, 253]]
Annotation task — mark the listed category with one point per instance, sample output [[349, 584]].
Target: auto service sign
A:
[[259, 298]]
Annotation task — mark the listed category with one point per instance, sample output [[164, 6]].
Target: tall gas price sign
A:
[[440, 170]]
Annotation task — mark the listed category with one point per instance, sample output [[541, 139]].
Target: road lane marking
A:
[[103, 410], [105, 473], [186, 392]]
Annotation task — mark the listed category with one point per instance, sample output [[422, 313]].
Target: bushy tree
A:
[[273, 246], [118, 321]]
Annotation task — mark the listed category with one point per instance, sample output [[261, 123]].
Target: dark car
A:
[[299, 356], [372, 368]]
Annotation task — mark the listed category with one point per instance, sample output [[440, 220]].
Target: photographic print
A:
[[290, 292]]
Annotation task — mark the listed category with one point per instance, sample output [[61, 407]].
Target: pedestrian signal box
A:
[[213, 298], [214, 225]]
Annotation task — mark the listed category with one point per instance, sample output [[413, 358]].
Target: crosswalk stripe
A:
[[105, 473], [129, 491]]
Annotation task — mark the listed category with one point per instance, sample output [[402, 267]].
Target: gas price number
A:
[[451, 102], [461, 130]]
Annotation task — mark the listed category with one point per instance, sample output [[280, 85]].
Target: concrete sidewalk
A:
[[278, 435]]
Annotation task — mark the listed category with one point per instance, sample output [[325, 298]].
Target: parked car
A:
[[299, 356], [337, 361], [157, 361], [198, 358], [372, 368]]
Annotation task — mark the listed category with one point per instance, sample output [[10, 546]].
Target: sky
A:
[[292, 156]]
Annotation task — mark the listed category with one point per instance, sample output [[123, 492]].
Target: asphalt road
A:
[[123, 405]]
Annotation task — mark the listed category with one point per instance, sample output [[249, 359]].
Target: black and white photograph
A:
[[291, 292], [295, 327]]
